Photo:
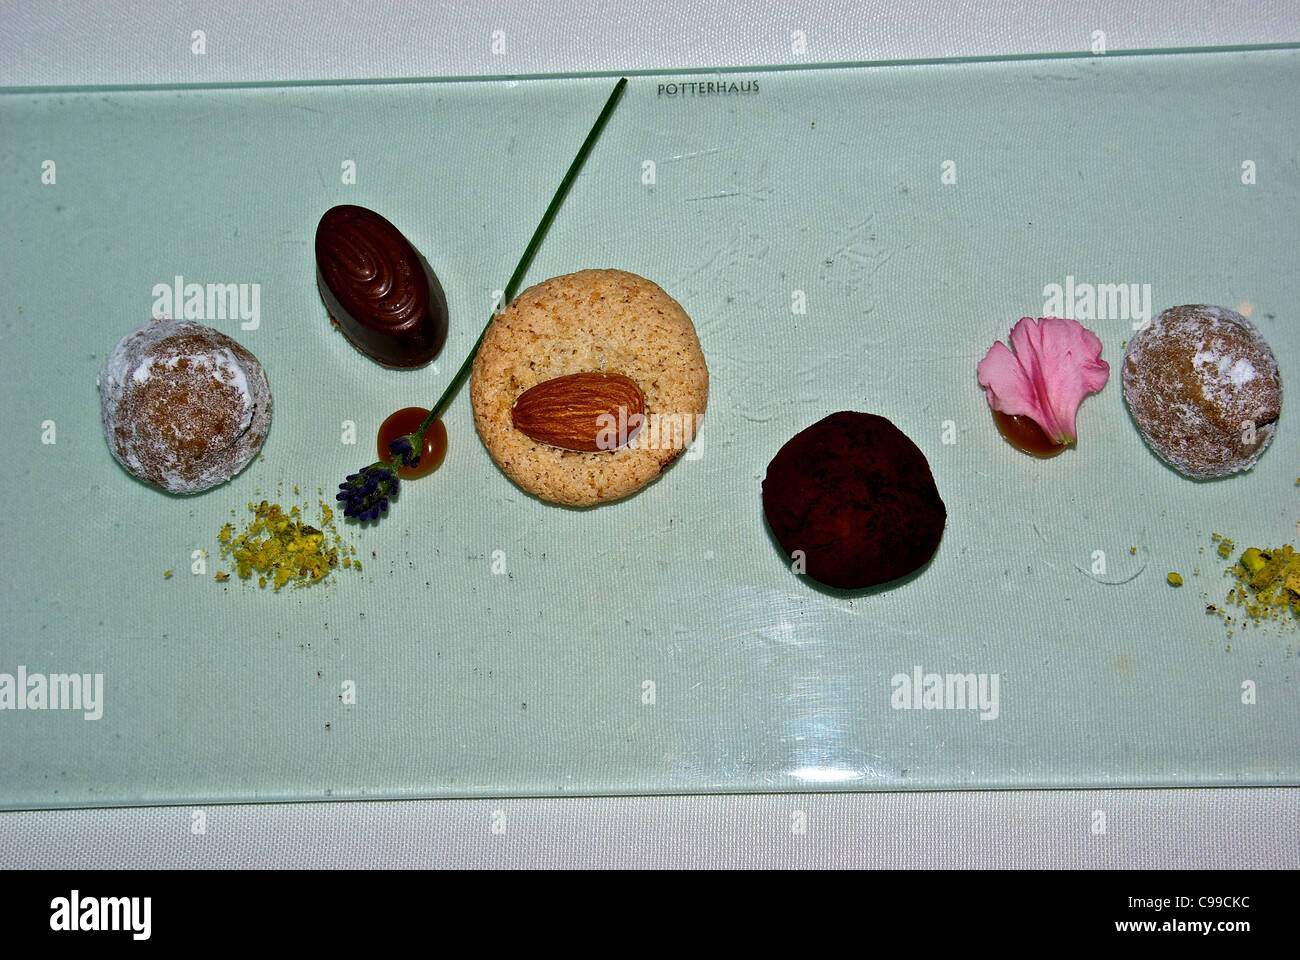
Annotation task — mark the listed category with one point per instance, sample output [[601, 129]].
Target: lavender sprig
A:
[[365, 495]]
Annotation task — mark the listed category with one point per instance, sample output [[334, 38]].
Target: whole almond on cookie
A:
[[580, 411]]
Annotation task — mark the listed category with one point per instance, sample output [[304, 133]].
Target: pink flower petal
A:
[[1055, 364]]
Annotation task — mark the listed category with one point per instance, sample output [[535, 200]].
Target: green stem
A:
[[526, 260]]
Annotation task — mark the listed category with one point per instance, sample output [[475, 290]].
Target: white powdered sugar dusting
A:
[[1192, 379], [178, 434], [1242, 372], [234, 374], [1221, 372]]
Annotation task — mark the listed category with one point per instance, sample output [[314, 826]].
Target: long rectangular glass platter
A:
[[845, 238]]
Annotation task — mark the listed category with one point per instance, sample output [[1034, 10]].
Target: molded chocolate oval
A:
[[378, 289]]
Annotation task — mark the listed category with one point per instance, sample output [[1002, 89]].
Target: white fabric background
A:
[[76, 43], [148, 41], [1155, 829]]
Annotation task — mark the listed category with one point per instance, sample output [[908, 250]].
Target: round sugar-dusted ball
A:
[[1203, 388], [184, 406]]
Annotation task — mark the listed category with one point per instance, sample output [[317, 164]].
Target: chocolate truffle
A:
[[378, 289], [857, 497], [1203, 388], [184, 406]]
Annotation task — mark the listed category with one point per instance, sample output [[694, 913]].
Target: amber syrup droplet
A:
[[1025, 434], [408, 420]]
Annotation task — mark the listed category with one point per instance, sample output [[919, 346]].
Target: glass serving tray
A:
[[496, 645]]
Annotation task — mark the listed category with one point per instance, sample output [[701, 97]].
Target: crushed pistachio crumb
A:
[[282, 549], [1273, 579], [1175, 579]]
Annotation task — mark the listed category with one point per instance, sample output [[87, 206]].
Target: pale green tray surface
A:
[[1109, 170]]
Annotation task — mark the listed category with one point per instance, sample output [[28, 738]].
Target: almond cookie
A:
[[595, 322]]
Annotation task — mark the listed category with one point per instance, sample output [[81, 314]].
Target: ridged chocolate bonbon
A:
[[378, 289]]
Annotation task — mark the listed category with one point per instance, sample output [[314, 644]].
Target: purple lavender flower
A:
[[365, 495]]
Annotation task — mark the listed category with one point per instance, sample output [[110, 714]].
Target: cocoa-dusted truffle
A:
[[856, 496], [1204, 390]]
